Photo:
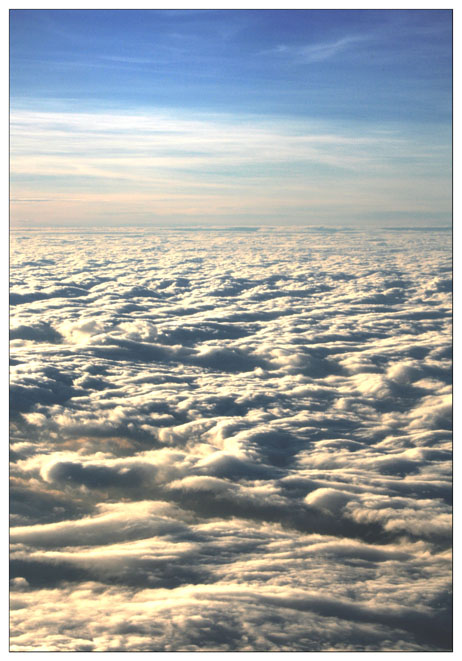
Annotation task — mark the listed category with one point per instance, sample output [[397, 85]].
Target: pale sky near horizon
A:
[[241, 117]]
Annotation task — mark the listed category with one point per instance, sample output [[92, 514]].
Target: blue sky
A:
[[198, 115]]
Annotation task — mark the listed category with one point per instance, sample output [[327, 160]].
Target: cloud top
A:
[[231, 441]]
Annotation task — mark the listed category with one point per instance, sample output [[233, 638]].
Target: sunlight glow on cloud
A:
[[231, 440]]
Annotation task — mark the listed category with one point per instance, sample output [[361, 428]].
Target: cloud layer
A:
[[231, 440]]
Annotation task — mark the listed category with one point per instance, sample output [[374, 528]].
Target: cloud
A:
[[324, 51], [231, 441], [178, 167], [42, 332], [199, 618], [318, 52], [329, 499]]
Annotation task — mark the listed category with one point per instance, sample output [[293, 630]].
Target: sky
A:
[[216, 117]]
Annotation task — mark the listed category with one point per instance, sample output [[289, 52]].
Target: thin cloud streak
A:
[[228, 165], [319, 52]]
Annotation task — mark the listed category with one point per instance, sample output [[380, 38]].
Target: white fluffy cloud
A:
[[231, 440]]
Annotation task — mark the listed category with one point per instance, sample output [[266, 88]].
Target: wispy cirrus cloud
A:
[[327, 50], [196, 163], [318, 52]]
